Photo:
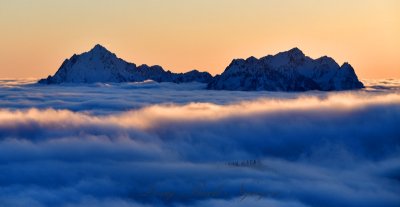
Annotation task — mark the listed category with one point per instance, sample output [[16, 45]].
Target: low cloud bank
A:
[[300, 149]]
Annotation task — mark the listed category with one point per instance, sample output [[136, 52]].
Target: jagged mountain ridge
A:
[[100, 65], [286, 71]]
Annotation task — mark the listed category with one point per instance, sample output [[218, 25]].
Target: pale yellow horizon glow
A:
[[180, 35]]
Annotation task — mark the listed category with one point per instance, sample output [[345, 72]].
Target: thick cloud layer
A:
[[150, 144]]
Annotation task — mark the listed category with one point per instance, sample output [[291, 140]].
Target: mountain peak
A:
[[295, 51], [101, 65], [290, 70], [346, 65], [99, 49], [251, 59], [98, 46], [292, 54]]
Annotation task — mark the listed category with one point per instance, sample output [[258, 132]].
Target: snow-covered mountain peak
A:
[[101, 65], [99, 48], [346, 65], [98, 51], [293, 53], [251, 59], [291, 70]]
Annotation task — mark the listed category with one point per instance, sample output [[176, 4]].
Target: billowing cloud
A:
[[155, 144]]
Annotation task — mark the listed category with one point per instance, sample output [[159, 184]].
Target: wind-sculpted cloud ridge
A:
[[190, 148]]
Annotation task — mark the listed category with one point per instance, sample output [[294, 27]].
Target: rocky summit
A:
[[286, 71], [100, 65]]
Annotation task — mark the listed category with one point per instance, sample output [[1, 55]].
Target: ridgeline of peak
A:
[[294, 51], [291, 70], [99, 47], [101, 65], [251, 59], [99, 50]]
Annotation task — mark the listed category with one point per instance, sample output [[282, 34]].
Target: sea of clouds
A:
[[163, 144]]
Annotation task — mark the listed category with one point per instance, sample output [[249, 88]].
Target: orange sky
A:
[[180, 35]]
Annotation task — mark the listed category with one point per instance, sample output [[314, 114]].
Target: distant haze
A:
[[180, 35]]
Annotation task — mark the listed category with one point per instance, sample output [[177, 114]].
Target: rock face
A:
[[100, 65], [286, 71]]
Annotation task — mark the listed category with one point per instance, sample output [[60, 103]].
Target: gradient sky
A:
[[37, 35]]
